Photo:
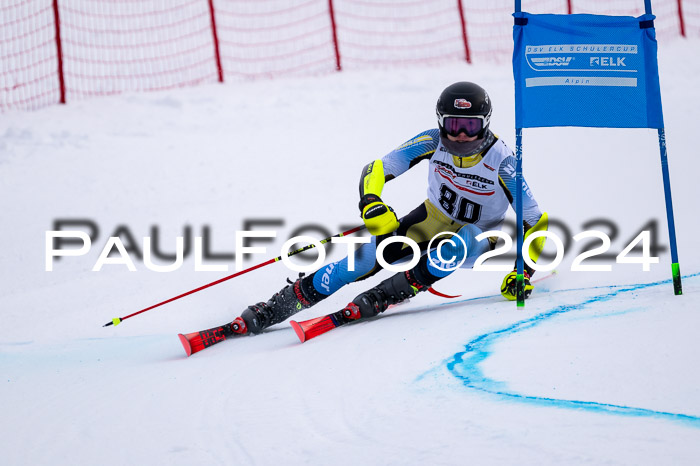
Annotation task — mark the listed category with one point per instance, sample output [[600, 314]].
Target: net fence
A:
[[65, 50]]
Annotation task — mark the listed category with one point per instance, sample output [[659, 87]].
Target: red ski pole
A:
[[118, 320]]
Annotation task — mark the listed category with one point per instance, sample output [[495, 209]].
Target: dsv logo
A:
[[552, 61]]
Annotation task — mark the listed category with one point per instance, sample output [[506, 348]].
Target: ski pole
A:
[[118, 320]]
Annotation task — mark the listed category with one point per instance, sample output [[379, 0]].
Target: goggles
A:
[[454, 125]]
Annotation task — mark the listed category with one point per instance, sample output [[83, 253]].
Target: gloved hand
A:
[[508, 285], [379, 218]]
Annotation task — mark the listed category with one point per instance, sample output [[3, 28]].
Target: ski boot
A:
[[400, 287], [296, 296]]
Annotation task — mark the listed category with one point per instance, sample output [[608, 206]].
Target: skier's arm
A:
[[506, 175], [410, 153], [378, 216]]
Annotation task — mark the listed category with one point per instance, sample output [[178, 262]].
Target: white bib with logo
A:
[[469, 195]]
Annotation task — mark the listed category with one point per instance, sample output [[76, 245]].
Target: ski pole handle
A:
[[118, 320]]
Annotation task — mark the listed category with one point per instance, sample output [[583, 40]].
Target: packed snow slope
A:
[[598, 368]]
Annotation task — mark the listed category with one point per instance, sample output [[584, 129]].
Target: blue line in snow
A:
[[465, 364]]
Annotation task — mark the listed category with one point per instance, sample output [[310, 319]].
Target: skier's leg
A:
[[294, 297], [393, 290], [419, 225], [453, 253], [309, 290], [336, 275], [430, 268]]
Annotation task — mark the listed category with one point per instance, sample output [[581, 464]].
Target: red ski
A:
[[312, 328], [197, 341], [309, 329]]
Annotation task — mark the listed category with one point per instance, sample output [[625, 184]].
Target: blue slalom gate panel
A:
[[586, 70]]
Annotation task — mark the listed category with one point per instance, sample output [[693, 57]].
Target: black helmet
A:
[[461, 101]]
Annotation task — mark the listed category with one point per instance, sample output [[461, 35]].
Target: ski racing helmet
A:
[[463, 107]]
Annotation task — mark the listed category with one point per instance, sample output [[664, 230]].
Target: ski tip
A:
[[185, 343], [299, 331]]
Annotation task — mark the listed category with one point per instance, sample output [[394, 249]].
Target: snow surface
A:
[[598, 368]]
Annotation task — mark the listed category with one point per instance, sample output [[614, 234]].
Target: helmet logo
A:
[[462, 103]]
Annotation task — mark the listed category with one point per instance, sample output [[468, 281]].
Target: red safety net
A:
[[387, 33], [691, 15], [56, 50], [28, 60], [666, 23], [269, 38], [491, 34], [111, 46]]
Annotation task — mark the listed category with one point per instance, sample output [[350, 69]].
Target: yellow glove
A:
[[508, 285], [509, 282], [379, 218]]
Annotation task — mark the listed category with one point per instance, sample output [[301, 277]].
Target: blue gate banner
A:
[[586, 70]]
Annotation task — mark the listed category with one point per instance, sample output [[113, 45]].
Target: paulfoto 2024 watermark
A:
[[640, 249]]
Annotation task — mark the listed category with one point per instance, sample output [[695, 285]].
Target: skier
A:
[[470, 184]]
